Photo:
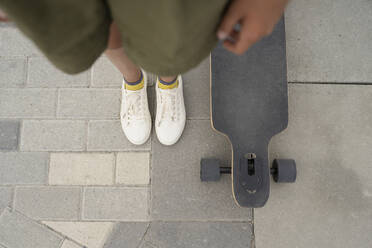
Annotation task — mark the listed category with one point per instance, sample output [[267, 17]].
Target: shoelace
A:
[[133, 106], [169, 108]]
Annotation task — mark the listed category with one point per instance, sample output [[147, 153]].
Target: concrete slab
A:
[[330, 205], [177, 192], [329, 41], [128, 233], [198, 235]]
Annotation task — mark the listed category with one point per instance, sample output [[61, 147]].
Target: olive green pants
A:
[[166, 37]]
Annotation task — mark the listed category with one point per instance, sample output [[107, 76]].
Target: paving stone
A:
[[81, 169], [6, 194], [23, 168], [196, 84], [57, 203], [69, 244], [17, 231], [53, 135], [41, 73], [27, 103], [9, 132], [329, 41], [108, 135], [128, 233], [12, 72], [177, 192], [105, 74], [13, 43], [147, 245], [198, 235], [89, 234], [330, 137], [120, 204], [133, 168], [89, 103]]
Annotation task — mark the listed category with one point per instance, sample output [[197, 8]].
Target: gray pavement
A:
[[70, 179]]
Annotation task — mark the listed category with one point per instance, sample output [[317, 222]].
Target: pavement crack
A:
[[144, 235]]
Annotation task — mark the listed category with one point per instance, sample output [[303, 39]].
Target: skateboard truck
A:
[[282, 170]]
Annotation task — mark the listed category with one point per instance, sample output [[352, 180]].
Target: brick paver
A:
[[129, 233], [107, 135], [133, 168], [12, 72], [89, 234], [9, 135], [81, 169], [18, 231], [23, 168], [105, 75], [42, 74], [56, 203], [13, 43], [89, 103], [53, 135], [119, 203], [28, 103], [69, 244], [6, 197]]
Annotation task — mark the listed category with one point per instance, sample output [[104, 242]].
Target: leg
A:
[[134, 114], [117, 56]]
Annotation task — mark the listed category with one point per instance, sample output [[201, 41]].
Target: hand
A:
[[257, 18]]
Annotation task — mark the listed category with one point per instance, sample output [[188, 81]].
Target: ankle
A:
[[170, 84], [135, 85], [133, 76], [168, 79]]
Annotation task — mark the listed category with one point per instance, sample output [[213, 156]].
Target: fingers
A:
[[228, 23], [251, 31]]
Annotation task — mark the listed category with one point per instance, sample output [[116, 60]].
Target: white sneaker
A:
[[170, 113], [135, 115]]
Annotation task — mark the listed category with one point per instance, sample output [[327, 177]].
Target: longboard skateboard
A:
[[249, 104]]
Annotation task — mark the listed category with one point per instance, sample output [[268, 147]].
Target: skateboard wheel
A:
[[209, 170], [284, 170]]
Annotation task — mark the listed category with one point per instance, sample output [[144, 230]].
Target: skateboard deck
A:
[[249, 104]]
